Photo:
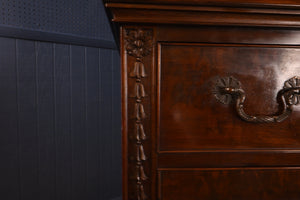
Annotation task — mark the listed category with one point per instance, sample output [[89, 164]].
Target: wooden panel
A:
[[233, 183], [192, 119], [225, 35], [258, 158], [137, 98], [214, 2], [235, 14]]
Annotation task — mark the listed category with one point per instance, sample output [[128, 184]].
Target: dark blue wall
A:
[[84, 18], [60, 115]]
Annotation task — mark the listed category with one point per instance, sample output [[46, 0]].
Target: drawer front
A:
[[192, 119], [230, 184]]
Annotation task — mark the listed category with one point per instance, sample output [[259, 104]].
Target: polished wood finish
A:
[[232, 183], [179, 141], [137, 96], [193, 119], [206, 15], [258, 3], [229, 158]]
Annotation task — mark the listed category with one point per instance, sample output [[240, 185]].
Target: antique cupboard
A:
[[210, 94]]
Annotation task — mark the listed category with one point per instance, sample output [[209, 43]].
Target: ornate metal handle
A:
[[228, 89]]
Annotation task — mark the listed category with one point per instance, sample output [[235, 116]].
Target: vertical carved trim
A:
[[138, 45]]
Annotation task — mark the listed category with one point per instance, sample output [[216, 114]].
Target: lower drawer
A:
[[230, 184]]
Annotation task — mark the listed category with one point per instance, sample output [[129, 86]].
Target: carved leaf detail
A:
[[141, 153], [138, 70], [140, 135], [141, 195], [142, 173], [139, 91], [139, 111]]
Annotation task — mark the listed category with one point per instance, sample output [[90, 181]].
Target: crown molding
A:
[[205, 15]]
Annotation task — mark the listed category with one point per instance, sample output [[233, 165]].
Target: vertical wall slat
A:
[[116, 129], [112, 122], [9, 169], [27, 119], [106, 123], [45, 98], [78, 122], [93, 109], [101, 137], [62, 123]]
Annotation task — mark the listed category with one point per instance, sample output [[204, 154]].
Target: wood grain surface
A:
[[196, 147]]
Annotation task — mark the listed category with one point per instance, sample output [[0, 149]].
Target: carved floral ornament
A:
[[138, 45], [138, 42]]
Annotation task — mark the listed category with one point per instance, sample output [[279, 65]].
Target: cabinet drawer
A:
[[230, 184], [192, 119]]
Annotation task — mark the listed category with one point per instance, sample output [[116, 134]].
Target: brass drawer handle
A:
[[228, 89]]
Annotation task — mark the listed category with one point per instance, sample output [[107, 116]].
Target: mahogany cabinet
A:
[[210, 94]]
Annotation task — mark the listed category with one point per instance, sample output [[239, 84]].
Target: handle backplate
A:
[[229, 89]]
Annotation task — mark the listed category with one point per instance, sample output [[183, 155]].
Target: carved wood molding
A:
[[138, 44], [260, 15]]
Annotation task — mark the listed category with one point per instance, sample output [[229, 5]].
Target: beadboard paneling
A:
[[60, 111]]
